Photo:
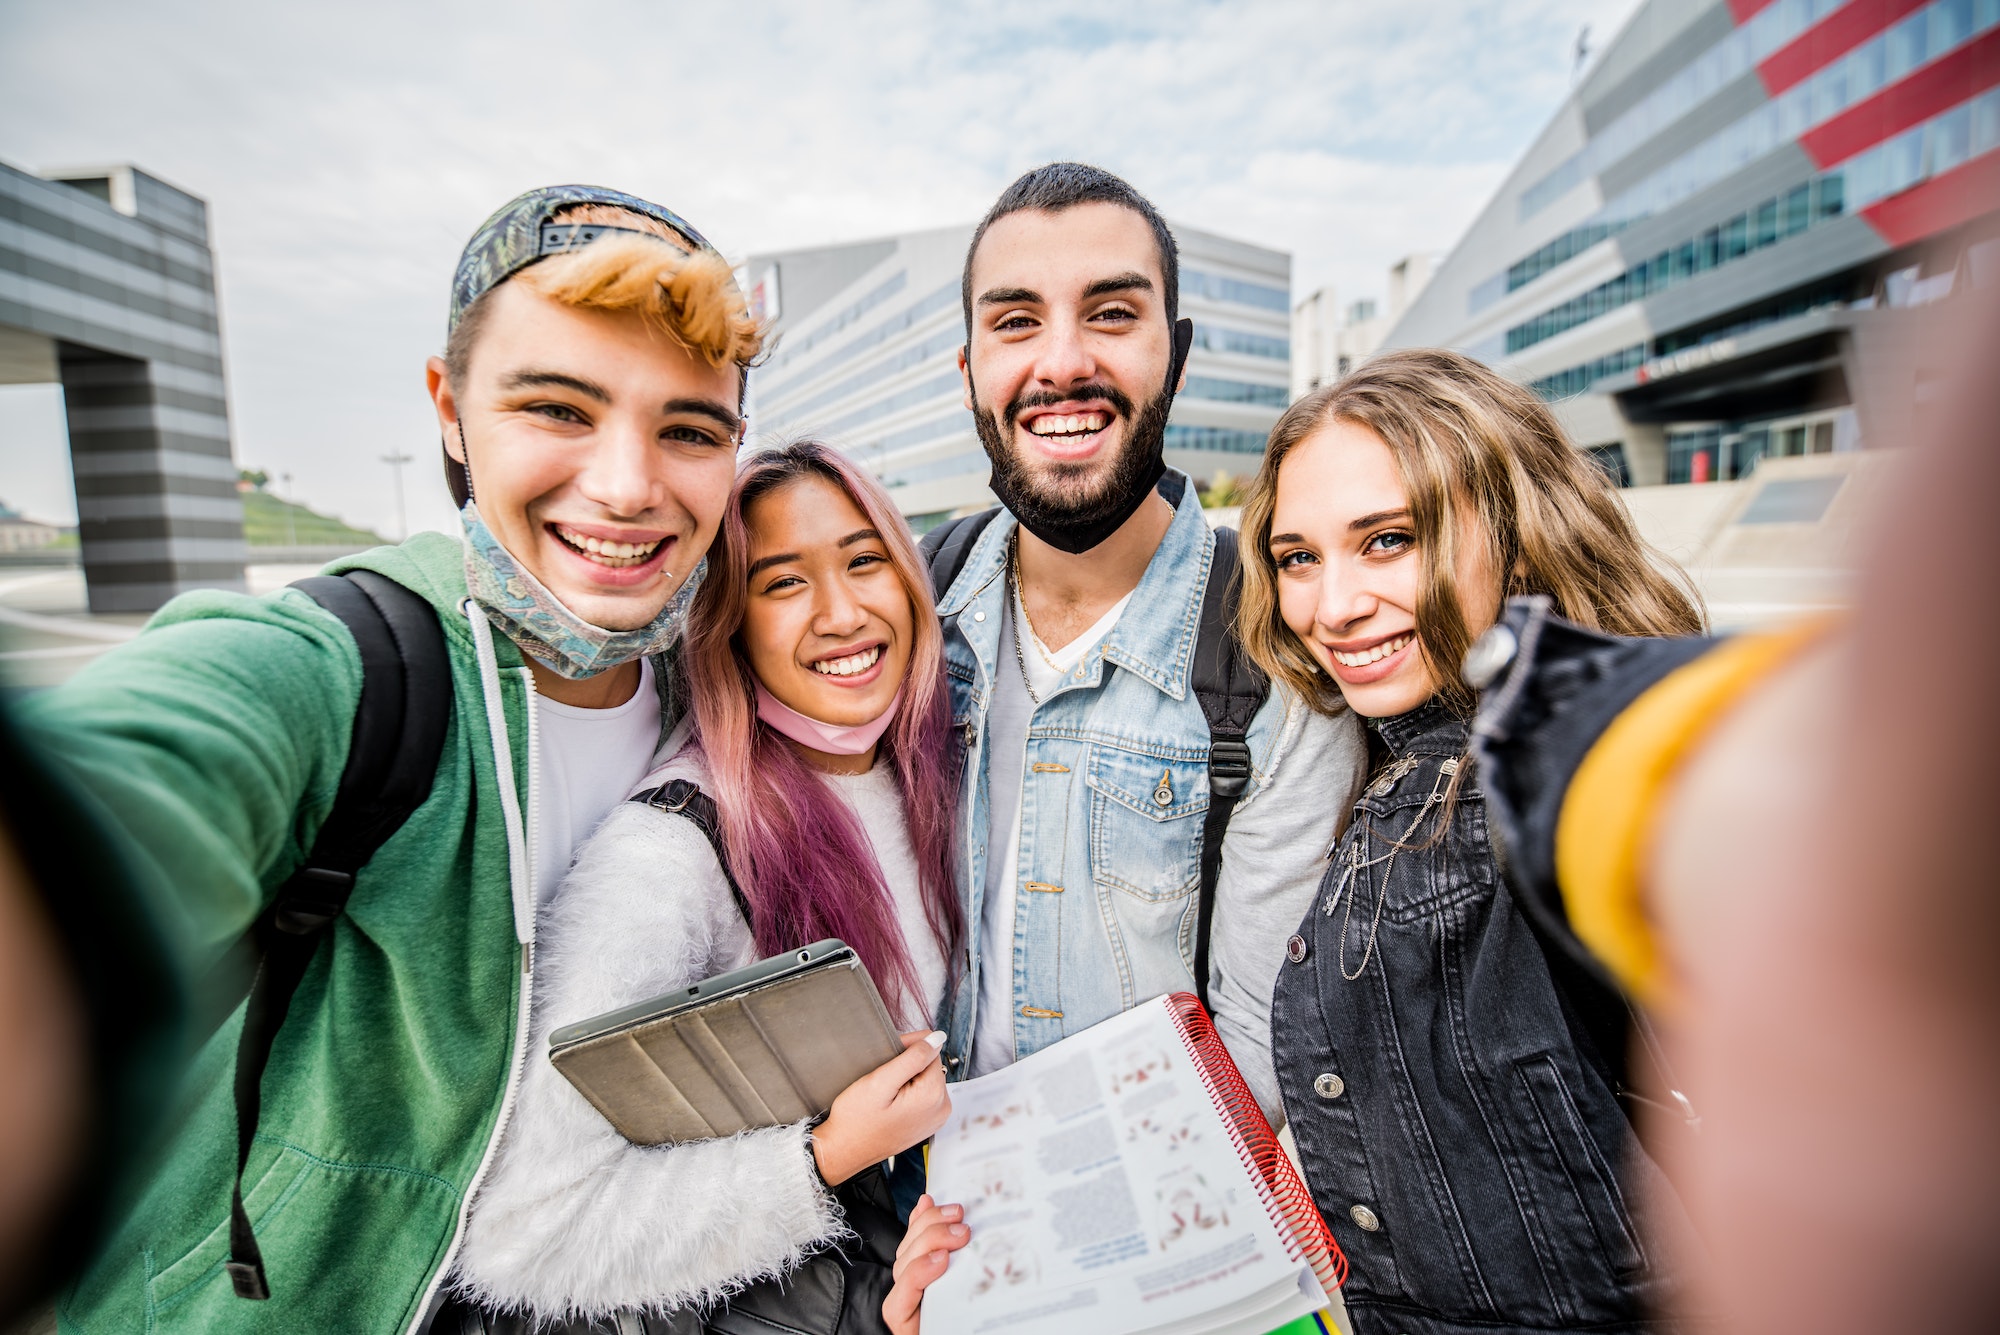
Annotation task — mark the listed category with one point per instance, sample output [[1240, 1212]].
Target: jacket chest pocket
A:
[[1146, 814], [1414, 853]]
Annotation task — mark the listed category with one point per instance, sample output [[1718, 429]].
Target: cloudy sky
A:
[[347, 152]]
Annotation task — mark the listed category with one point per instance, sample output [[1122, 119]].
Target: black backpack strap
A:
[[947, 546], [392, 760], [1231, 690], [684, 798]]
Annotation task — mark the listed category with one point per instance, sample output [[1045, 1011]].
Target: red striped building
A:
[[1720, 246]]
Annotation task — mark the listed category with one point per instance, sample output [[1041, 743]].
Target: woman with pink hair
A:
[[820, 725]]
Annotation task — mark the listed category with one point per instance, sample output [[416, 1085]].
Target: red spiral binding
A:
[[1284, 1195]]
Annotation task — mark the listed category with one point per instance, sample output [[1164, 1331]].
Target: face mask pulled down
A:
[[541, 627]]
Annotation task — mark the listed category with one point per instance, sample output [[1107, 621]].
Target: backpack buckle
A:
[[313, 898], [1228, 766]]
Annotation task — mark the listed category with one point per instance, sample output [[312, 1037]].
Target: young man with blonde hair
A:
[[590, 403]]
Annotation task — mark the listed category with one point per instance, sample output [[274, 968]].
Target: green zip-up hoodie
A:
[[214, 744]]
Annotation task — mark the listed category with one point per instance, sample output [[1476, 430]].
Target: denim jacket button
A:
[[1295, 950], [979, 616], [1329, 1086], [1365, 1218]]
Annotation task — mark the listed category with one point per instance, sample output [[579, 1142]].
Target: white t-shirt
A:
[[587, 761], [1006, 754], [877, 804]]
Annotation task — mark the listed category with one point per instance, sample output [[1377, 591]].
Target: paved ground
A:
[[47, 631]]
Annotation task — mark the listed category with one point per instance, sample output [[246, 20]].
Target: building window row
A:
[[1215, 338], [935, 429], [942, 341], [1236, 391], [937, 386], [1921, 152], [1215, 438], [1925, 36], [1929, 34], [1214, 287], [1772, 28], [1834, 291], [1745, 234], [1576, 379], [1560, 251], [844, 317], [952, 465], [875, 337]]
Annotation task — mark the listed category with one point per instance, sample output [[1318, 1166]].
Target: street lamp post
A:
[[291, 513], [396, 462]]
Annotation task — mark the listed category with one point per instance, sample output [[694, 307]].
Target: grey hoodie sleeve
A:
[[1272, 859]]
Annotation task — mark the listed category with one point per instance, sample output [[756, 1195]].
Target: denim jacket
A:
[[1468, 1153], [1114, 791]]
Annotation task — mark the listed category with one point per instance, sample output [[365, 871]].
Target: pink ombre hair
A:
[[804, 862]]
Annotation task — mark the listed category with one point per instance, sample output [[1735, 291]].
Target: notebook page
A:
[[1104, 1196]]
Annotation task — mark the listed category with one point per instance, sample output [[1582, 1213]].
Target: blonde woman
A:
[[1456, 1096]]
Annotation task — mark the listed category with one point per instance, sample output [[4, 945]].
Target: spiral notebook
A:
[[1125, 1181]]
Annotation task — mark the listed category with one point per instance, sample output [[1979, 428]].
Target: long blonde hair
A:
[[1462, 435]]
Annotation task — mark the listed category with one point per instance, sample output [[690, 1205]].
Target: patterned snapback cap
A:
[[524, 231]]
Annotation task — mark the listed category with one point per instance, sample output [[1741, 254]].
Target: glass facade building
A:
[[868, 336], [1708, 256], [107, 285]]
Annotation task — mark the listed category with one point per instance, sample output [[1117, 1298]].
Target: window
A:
[[1215, 438], [1236, 391], [1214, 338]]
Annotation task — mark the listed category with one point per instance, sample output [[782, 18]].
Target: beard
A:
[[1080, 499]]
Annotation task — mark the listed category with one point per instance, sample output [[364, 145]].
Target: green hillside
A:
[[270, 522]]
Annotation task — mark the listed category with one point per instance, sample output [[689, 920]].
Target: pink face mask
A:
[[827, 737]]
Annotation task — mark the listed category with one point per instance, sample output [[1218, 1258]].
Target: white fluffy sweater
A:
[[572, 1218]]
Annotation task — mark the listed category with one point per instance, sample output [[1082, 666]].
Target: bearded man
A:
[[1075, 621]]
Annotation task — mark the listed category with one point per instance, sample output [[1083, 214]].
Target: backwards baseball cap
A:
[[525, 231]]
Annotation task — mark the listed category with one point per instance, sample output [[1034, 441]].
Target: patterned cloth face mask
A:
[[537, 622]]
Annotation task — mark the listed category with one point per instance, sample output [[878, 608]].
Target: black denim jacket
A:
[[1468, 1153]]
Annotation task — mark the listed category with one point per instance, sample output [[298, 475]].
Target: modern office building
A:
[[1713, 252], [866, 357], [107, 286]]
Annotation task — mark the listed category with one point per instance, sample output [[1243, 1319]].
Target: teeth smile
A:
[[850, 665], [1075, 424], [1375, 655], [608, 553]]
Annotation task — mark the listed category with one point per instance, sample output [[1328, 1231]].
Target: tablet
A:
[[766, 1045]]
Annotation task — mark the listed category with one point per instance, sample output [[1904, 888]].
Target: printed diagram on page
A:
[[1106, 1195], [1187, 1206]]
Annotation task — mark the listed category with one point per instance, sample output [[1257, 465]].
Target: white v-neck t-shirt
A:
[[587, 761], [1006, 756]]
